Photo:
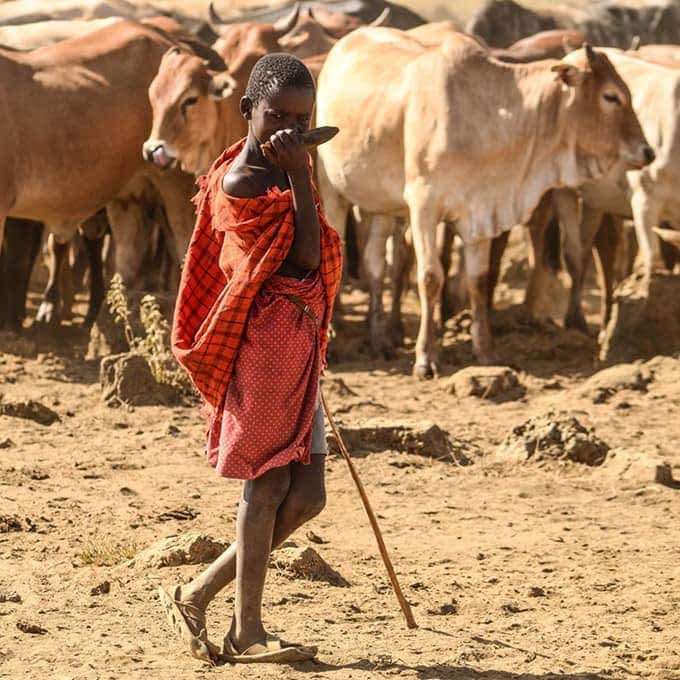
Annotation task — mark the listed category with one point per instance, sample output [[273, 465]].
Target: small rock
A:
[[172, 430], [446, 609], [604, 384], [30, 410], [553, 436], [639, 467], [306, 563], [181, 514], [497, 383], [315, 538], [127, 379], [10, 596], [15, 523], [425, 439], [104, 588], [535, 591], [645, 319], [6, 443], [176, 550], [32, 628]]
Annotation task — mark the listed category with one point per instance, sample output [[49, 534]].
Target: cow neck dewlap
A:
[[543, 156]]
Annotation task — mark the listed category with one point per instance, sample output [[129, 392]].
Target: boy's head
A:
[[279, 95]]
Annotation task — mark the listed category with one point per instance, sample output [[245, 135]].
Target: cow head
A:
[[606, 125], [185, 97]]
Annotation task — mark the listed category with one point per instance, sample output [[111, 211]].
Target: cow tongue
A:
[[161, 158]]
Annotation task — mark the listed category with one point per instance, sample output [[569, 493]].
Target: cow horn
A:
[[593, 56], [634, 43], [383, 19], [668, 235], [215, 18], [287, 23]]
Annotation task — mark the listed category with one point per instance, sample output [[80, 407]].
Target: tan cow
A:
[[41, 33], [448, 134], [73, 125], [649, 196]]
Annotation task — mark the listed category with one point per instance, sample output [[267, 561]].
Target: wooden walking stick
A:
[[405, 607]]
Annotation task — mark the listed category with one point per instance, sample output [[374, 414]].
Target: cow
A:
[[648, 196], [93, 91], [18, 12], [503, 22], [31, 36], [310, 37], [447, 133], [196, 112], [553, 44], [365, 11]]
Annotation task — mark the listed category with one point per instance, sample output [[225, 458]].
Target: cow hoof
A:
[[47, 314], [425, 371]]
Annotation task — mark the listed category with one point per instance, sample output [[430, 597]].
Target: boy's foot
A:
[[188, 621], [271, 650]]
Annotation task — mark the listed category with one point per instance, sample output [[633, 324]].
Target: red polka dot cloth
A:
[[254, 356]]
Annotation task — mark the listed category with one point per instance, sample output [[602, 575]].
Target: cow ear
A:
[[568, 74], [221, 85]]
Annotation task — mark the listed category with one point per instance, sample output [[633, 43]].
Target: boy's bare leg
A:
[[305, 499]]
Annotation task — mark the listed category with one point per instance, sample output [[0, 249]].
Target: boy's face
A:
[[288, 108]]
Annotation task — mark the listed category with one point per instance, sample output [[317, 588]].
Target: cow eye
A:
[[189, 101], [612, 98]]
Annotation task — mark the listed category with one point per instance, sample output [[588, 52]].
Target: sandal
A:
[[272, 650], [199, 645]]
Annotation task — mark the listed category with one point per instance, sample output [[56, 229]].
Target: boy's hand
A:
[[286, 150]]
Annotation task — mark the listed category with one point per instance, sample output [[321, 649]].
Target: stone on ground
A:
[[423, 439], [306, 563], [29, 410], [639, 467], [498, 383], [604, 384], [645, 319], [127, 379], [108, 337], [552, 437], [176, 550]]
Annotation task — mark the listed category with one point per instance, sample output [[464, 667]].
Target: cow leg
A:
[[176, 189], [402, 263], [608, 241], [17, 257], [578, 243], [49, 311], [498, 246], [381, 227], [451, 301], [538, 226], [94, 231], [430, 281], [131, 237], [477, 262], [646, 216]]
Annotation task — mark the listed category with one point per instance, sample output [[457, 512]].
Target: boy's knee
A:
[[269, 490], [307, 506]]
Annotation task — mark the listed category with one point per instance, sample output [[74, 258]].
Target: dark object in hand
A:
[[319, 135]]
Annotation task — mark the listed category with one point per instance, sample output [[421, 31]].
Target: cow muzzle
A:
[[154, 151], [639, 157]]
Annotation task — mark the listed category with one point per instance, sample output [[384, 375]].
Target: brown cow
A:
[[93, 91]]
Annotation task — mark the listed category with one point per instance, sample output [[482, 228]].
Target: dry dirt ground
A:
[[534, 570]]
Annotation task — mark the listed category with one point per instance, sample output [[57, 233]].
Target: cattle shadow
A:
[[437, 671]]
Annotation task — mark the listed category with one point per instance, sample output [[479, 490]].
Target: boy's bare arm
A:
[[286, 150]]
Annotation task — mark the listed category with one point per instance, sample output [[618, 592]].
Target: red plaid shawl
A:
[[237, 244]]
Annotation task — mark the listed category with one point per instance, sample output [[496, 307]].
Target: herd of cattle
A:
[[111, 109]]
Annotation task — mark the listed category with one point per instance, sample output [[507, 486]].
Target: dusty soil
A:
[[531, 570]]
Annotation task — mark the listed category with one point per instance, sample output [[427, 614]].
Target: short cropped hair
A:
[[275, 71]]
